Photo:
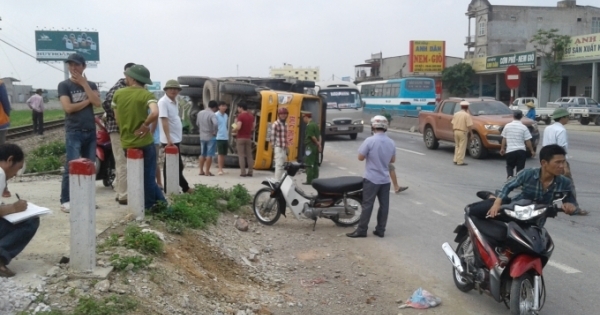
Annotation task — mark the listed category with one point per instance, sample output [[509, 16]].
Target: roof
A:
[[11, 79]]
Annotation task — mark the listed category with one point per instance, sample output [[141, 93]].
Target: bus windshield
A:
[[342, 98]]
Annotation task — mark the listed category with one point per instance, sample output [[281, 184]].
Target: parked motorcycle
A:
[[504, 257], [105, 161], [338, 199]]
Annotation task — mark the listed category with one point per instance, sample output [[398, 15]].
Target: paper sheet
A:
[[31, 211]]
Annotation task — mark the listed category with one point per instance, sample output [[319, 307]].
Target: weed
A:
[[46, 157], [175, 227], [138, 262], [111, 241], [147, 243], [112, 305]]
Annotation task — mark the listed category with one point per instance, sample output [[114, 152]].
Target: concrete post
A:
[[82, 218], [497, 86], [66, 70], [595, 81], [135, 182], [172, 171]]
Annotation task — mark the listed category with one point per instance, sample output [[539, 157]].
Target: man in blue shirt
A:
[[378, 151], [531, 112], [537, 184], [222, 135]]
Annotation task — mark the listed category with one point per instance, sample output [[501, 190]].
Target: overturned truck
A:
[[263, 96]]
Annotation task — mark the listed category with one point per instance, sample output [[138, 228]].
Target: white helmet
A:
[[379, 122]]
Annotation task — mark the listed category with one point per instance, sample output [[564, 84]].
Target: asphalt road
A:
[[424, 216]]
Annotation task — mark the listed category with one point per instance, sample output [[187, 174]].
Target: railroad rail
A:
[[27, 131]]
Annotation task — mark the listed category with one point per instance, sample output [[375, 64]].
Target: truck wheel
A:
[[584, 121], [476, 149], [431, 142], [548, 121], [192, 80], [193, 150], [239, 88], [597, 120], [232, 161], [210, 91], [191, 91], [353, 136], [191, 139]]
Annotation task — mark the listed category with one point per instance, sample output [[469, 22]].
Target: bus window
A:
[[342, 98], [396, 89], [379, 90], [387, 90]]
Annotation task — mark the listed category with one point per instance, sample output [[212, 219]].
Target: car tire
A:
[[597, 120], [238, 88], [210, 91], [476, 148], [431, 142], [189, 150], [353, 136], [193, 81], [190, 139], [191, 91], [584, 121]]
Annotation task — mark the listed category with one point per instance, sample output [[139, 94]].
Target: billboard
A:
[[584, 46], [58, 45], [516, 59], [155, 86], [427, 56]]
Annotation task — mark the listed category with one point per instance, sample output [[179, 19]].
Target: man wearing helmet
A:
[[461, 124], [378, 151], [279, 141]]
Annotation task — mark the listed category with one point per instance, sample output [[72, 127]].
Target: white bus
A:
[[344, 107]]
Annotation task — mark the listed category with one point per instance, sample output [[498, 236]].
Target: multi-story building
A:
[[301, 73], [497, 32]]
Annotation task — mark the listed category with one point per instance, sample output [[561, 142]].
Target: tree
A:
[[551, 46], [458, 79]]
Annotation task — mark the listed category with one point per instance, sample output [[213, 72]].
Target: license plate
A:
[[342, 128]]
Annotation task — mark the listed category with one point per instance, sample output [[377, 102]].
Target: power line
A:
[[10, 61], [32, 56]]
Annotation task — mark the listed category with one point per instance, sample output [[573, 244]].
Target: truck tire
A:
[[210, 91], [597, 120], [191, 140], [548, 121], [431, 142], [238, 88], [192, 80], [584, 121], [476, 148], [190, 150], [232, 161], [191, 91]]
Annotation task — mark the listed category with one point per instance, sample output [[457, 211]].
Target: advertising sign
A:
[[427, 56], [584, 46], [517, 59], [58, 45], [155, 86]]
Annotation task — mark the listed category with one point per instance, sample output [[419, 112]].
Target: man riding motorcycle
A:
[[537, 184]]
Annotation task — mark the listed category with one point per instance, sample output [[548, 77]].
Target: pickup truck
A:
[[584, 109], [489, 117], [541, 113]]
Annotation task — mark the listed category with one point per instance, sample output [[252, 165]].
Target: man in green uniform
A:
[[312, 145]]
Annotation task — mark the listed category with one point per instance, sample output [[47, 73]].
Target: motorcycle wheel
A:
[[109, 177], [521, 295], [461, 283], [353, 202], [267, 209]]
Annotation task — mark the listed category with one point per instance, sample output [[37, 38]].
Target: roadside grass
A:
[[22, 117], [133, 238], [201, 208], [48, 157], [112, 305]]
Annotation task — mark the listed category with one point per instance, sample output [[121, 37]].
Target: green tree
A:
[[458, 78], [551, 46]]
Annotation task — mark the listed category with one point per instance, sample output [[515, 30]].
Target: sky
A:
[[231, 37]]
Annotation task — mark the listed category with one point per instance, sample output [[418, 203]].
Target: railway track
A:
[[27, 131]]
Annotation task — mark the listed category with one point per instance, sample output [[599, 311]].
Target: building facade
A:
[[379, 68], [301, 73], [17, 93], [498, 32]]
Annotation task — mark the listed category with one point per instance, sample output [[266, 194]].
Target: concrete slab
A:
[[98, 273]]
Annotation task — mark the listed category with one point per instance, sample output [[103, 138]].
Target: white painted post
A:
[[135, 182], [82, 218], [172, 159]]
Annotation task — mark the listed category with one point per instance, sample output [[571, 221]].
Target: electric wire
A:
[[26, 53]]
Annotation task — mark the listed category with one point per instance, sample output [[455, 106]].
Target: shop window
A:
[[595, 25], [587, 91]]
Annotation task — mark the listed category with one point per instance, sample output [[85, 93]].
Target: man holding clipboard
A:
[[13, 237]]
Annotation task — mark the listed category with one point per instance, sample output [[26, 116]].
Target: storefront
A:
[[580, 67]]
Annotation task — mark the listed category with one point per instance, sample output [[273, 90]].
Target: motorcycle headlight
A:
[[525, 213], [328, 124], [358, 122], [492, 127]]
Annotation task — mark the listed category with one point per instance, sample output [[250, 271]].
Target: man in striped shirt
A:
[[279, 141], [515, 136]]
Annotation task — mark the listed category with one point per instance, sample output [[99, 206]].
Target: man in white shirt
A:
[[171, 128], [557, 134], [36, 104], [515, 136], [13, 237]]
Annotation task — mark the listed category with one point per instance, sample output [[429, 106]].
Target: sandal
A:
[[221, 173], [6, 194], [5, 272], [401, 189], [210, 174], [201, 174]]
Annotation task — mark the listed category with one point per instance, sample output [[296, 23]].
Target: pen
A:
[[18, 196]]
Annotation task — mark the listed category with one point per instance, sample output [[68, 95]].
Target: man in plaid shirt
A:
[[279, 141], [115, 141]]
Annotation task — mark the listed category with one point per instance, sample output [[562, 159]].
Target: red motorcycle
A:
[[105, 160], [505, 257]]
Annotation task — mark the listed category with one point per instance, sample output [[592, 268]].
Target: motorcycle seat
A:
[[338, 185], [494, 229]]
